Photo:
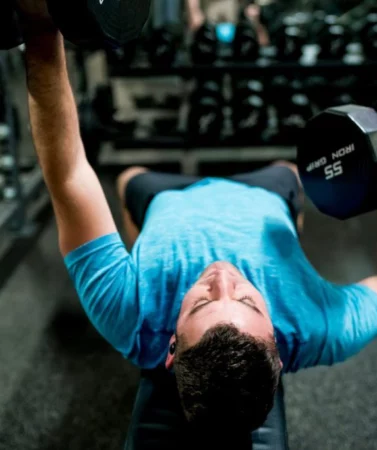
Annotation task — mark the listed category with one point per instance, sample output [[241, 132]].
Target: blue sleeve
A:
[[105, 279], [351, 316]]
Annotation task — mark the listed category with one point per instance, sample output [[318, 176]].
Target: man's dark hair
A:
[[227, 378]]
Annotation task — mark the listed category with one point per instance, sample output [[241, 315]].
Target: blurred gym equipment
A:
[[204, 46], [245, 45], [206, 114]]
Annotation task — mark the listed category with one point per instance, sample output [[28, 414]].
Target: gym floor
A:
[[63, 387]]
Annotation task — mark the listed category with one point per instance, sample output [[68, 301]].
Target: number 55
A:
[[333, 170]]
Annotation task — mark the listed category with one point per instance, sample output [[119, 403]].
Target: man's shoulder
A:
[[370, 283]]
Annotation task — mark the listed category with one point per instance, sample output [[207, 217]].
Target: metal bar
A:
[[109, 156], [325, 68], [178, 143]]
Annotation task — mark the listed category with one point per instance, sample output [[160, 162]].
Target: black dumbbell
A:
[[246, 88], [8, 164], [318, 88], [292, 115], [316, 26], [280, 83], [206, 113], [162, 47], [369, 36], [337, 161], [246, 45], [89, 22], [91, 132], [342, 91], [250, 118], [123, 56], [270, 15], [279, 91], [291, 43], [205, 119], [205, 44], [354, 54], [103, 104], [104, 109], [333, 40], [243, 88], [99, 22], [208, 89], [342, 99]]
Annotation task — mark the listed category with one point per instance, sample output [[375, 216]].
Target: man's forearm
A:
[[53, 112]]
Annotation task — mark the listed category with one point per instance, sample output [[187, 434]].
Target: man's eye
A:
[[242, 299], [201, 301]]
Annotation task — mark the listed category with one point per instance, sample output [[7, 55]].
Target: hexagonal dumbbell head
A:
[[337, 159]]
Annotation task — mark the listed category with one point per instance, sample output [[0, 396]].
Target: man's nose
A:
[[222, 286]]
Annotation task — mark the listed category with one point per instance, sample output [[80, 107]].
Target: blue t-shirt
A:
[[134, 299]]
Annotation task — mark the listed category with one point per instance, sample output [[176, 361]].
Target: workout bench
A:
[[158, 423]]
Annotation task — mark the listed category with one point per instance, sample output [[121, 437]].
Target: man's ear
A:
[[171, 353]]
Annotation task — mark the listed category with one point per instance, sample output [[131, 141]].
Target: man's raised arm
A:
[[81, 210]]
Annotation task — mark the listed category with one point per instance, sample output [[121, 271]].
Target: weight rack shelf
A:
[[325, 68], [179, 143], [111, 158]]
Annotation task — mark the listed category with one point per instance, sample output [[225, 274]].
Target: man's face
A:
[[222, 295]]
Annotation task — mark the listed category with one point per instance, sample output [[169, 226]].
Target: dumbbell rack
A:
[[124, 150]]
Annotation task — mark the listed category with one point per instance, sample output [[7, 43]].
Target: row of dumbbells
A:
[[331, 39], [10, 135], [289, 36], [9, 188], [247, 114], [253, 111]]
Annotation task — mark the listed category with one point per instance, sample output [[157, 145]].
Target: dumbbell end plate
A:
[[337, 159]]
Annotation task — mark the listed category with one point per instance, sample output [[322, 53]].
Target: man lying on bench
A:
[[216, 286]]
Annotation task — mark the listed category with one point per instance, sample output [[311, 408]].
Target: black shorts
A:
[[142, 188]]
